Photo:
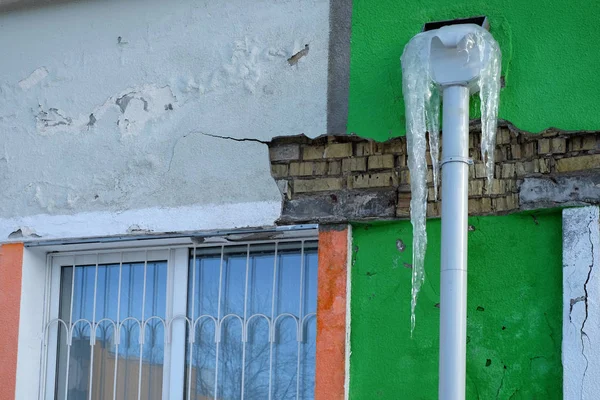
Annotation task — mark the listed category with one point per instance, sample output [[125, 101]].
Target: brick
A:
[[479, 170], [381, 162], [528, 150], [285, 152], [503, 136], [497, 171], [500, 154], [431, 193], [402, 212], [475, 206], [279, 170], [301, 168], [405, 176], [526, 168], [588, 142], [338, 150], [512, 201], [313, 152], [544, 146], [486, 205], [506, 203], [404, 188], [354, 164], [370, 148], [320, 168], [404, 203], [499, 204], [550, 133], [430, 175], [381, 179], [494, 188], [515, 151], [393, 147], [317, 185], [334, 167], [475, 188], [404, 195], [574, 143], [377, 148], [543, 165], [433, 209], [471, 171], [558, 145], [578, 163], [508, 171], [510, 185], [402, 160], [364, 149]]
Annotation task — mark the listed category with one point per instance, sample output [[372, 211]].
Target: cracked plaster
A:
[[581, 306], [139, 111]]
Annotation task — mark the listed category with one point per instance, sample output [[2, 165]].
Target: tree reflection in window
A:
[[253, 309]]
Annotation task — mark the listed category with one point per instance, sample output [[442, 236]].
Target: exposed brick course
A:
[[365, 169]]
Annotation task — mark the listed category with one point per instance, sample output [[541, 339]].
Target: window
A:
[[233, 321]]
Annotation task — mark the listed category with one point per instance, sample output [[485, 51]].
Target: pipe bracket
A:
[[465, 160]]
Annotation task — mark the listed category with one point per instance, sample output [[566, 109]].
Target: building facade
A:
[[211, 200]]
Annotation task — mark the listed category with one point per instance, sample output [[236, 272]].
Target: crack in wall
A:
[[236, 139], [583, 334], [501, 382], [550, 329]]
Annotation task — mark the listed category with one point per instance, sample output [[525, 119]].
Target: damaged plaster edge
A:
[[560, 190], [201, 217], [581, 311], [549, 131], [474, 127]]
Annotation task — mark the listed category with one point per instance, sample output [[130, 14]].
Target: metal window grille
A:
[[236, 322]]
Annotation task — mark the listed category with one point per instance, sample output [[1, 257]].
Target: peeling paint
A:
[[293, 60], [34, 78], [174, 114], [52, 118], [23, 232]]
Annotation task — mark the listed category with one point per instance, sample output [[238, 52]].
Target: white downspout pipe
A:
[[458, 60], [453, 285]]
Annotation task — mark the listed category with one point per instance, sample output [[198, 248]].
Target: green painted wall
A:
[[550, 61], [514, 311]]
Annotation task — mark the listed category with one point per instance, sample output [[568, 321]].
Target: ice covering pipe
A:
[[456, 60]]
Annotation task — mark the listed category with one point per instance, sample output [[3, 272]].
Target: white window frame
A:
[[177, 256], [177, 270]]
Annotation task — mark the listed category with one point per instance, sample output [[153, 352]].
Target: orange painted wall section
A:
[[331, 314], [11, 263]]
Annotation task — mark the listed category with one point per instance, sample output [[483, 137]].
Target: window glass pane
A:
[[267, 292], [97, 301]]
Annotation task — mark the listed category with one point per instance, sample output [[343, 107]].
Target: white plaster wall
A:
[[114, 106], [581, 304]]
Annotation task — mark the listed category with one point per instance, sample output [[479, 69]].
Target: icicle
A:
[[416, 84], [489, 93], [432, 111], [422, 102]]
